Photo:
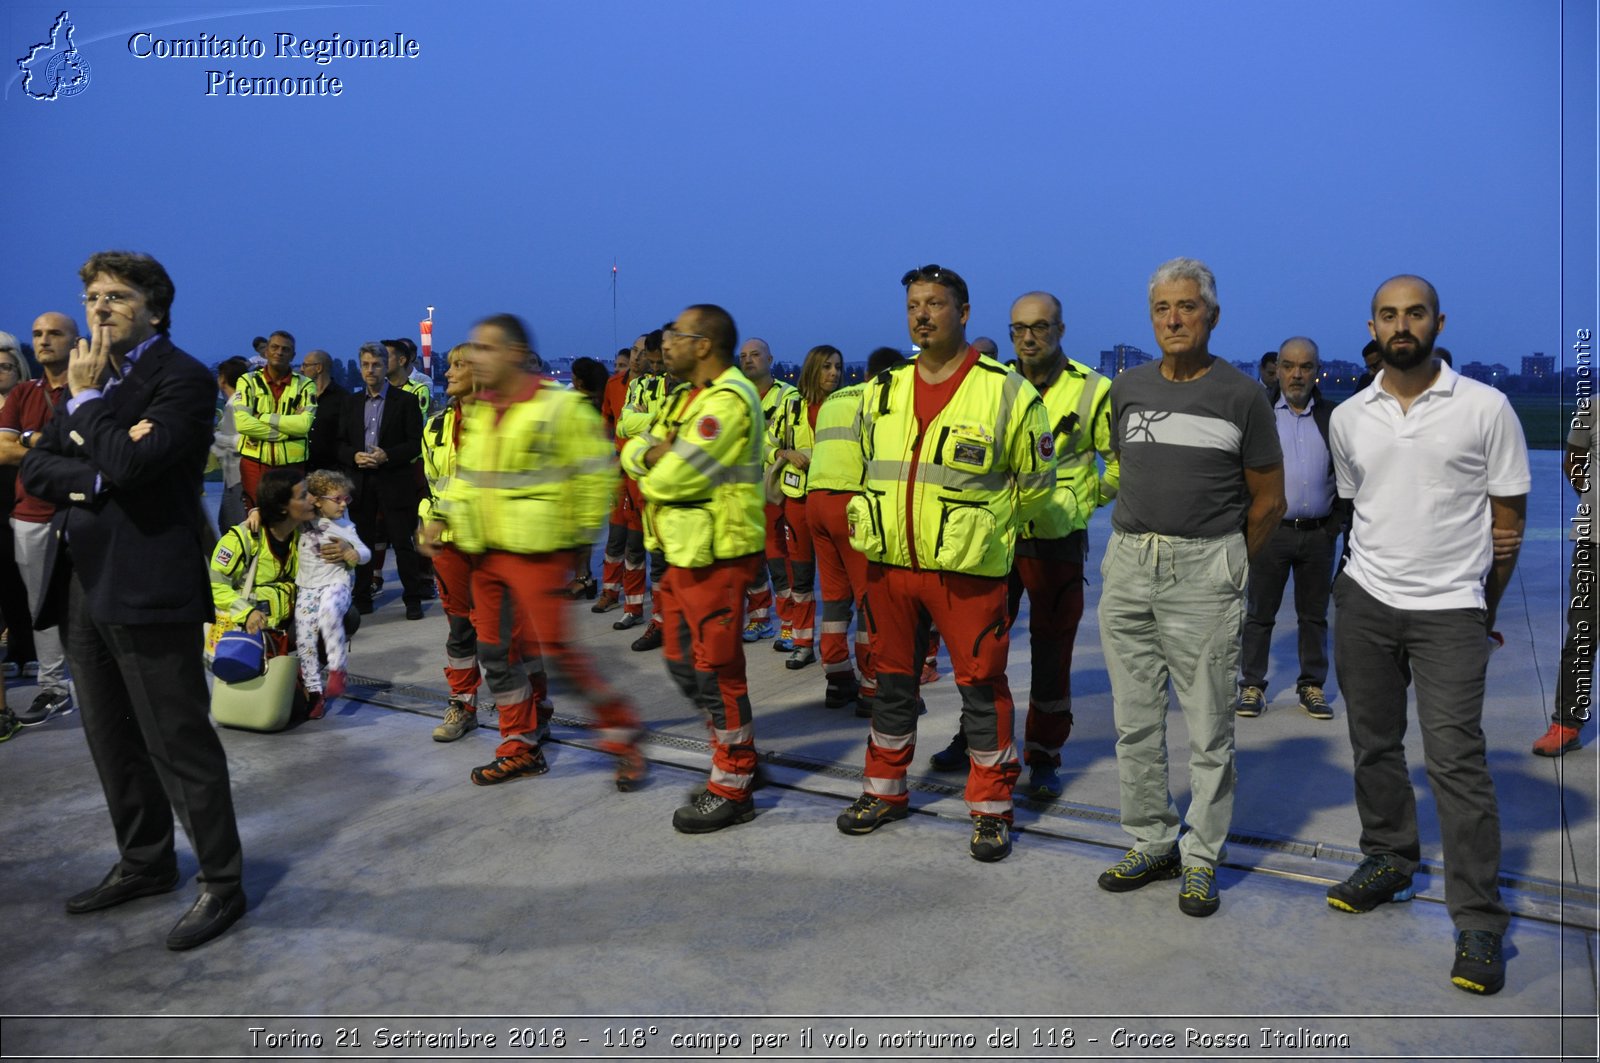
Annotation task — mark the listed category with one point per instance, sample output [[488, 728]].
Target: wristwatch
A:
[[27, 439]]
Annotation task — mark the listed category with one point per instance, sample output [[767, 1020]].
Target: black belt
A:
[[1307, 523]]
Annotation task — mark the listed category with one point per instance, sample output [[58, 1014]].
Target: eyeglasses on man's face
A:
[[9, 367], [1040, 329], [682, 335], [111, 299]]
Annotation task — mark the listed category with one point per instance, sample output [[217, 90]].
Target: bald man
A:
[[29, 408], [1303, 542], [755, 362]]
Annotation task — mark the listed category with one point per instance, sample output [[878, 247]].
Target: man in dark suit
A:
[[331, 396], [380, 436], [123, 462]]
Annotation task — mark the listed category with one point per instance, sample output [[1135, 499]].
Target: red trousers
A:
[[625, 518], [843, 573], [1055, 606], [775, 576], [800, 556], [535, 585], [703, 626], [250, 473], [971, 614]]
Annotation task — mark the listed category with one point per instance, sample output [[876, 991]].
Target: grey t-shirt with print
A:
[[1184, 448]]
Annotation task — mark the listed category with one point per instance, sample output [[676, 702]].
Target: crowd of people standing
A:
[[931, 497]]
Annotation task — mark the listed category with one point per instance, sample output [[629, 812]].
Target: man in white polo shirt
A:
[[1425, 448]]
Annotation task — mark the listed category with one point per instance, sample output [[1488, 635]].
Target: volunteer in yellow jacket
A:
[[1052, 547], [274, 409], [833, 479], [699, 469], [534, 479], [958, 456], [792, 437], [646, 395], [771, 585]]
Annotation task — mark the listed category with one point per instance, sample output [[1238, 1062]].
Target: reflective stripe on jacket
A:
[[273, 590], [438, 459], [792, 431]]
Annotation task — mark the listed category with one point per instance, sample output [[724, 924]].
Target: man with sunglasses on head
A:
[[958, 456], [1052, 547]]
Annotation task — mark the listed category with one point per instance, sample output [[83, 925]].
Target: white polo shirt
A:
[[1421, 483]]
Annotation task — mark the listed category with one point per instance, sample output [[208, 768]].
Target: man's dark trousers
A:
[[1446, 651], [1307, 553]]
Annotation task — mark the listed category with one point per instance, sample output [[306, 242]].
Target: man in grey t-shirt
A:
[[1202, 489]]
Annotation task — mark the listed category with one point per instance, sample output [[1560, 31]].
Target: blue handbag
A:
[[239, 656]]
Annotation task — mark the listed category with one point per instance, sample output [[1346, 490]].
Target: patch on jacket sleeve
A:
[[224, 556], [708, 427], [1047, 446]]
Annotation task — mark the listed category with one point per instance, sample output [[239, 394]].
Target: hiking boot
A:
[[1139, 869], [952, 757], [9, 725], [631, 771], [1374, 882], [458, 720], [628, 620], [868, 813], [1480, 966], [756, 630], [49, 704], [650, 640], [841, 692], [991, 839], [1315, 704], [501, 769], [784, 643], [1198, 897], [605, 603], [710, 812], [1252, 701], [802, 656], [1558, 740], [1044, 783]]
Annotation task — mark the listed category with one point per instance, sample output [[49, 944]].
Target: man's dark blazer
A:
[[323, 452], [141, 544], [400, 437]]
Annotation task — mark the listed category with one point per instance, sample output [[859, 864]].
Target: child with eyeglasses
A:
[[323, 586]]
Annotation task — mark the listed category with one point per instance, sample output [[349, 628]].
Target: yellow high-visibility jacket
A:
[[1078, 405], [951, 497], [275, 430], [273, 589], [704, 497], [771, 403], [439, 448], [536, 479], [792, 431], [645, 396], [836, 452]]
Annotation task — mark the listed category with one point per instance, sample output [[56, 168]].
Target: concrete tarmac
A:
[[388, 893]]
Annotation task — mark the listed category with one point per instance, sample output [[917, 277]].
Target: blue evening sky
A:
[[791, 161]]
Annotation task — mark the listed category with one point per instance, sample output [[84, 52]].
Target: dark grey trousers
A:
[[1308, 554], [1446, 653]]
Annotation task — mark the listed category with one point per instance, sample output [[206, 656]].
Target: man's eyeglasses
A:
[[9, 367], [1040, 329], [110, 299], [682, 335]]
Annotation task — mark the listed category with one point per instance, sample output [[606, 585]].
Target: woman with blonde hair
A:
[[793, 433]]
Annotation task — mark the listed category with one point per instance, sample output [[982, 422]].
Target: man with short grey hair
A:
[[1201, 490], [1302, 543]]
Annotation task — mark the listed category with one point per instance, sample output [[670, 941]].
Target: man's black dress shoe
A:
[[212, 914], [116, 888]]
